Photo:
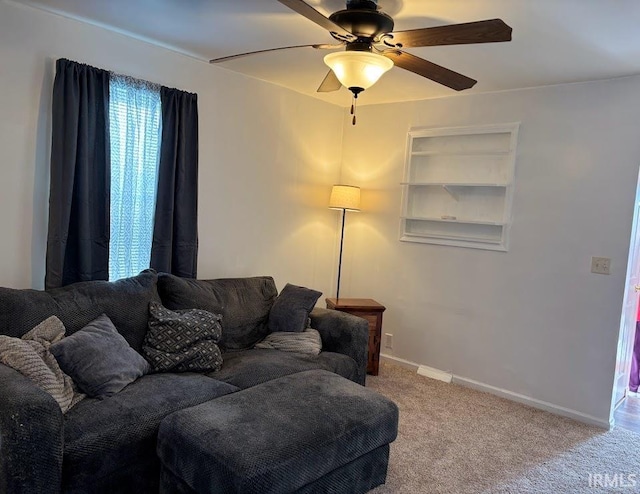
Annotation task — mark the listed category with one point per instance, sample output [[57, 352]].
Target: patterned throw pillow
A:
[[182, 340], [307, 341], [31, 356]]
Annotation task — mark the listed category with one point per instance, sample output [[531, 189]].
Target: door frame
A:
[[626, 333]]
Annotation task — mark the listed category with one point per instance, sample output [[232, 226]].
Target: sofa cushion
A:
[[183, 340], [125, 301], [110, 443], [290, 311], [99, 359], [247, 368], [244, 304]]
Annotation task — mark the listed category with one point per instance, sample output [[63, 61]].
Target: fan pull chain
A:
[[354, 102]]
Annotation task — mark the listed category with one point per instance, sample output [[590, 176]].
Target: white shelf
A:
[[454, 180], [465, 153], [466, 238], [457, 220], [452, 184]]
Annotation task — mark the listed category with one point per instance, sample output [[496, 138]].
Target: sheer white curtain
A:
[[135, 113]]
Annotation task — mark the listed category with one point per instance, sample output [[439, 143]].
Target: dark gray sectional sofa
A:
[[109, 445]]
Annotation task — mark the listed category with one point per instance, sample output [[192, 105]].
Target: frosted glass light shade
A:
[[345, 197], [358, 68]]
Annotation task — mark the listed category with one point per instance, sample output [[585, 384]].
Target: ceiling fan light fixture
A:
[[358, 69]]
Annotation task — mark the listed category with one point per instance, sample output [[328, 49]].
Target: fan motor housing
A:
[[363, 23]]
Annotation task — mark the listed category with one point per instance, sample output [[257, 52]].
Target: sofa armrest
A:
[[343, 333], [31, 436]]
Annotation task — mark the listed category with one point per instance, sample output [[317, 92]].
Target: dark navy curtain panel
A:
[[175, 236], [78, 237]]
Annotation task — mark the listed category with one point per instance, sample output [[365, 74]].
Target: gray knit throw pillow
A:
[[31, 357], [182, 340], [308, 341]]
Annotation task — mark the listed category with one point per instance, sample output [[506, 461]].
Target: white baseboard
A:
[[400, 361], [503, 393], [532, 402]]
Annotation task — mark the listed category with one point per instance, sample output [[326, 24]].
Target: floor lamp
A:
[[343, 198]]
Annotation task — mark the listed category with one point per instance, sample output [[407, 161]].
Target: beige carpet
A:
[[456, 440]]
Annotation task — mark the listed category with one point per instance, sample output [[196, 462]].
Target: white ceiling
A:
[[554, 41]]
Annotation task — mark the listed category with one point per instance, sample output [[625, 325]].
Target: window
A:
[[112, 168], [135, 116]]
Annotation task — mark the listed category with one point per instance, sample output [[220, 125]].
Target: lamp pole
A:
[[343, 198], [344, 216]]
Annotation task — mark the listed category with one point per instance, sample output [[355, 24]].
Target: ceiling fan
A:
[[372, 47]]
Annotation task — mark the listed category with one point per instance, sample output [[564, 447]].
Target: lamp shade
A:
[[345, 197], [360, 69]]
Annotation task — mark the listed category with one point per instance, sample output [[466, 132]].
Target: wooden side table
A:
[[370, 310]]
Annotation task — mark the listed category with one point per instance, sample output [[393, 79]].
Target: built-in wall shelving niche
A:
[[458, 186]]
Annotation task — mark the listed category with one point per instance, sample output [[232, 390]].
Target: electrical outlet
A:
[[601, 265], [388, 340]]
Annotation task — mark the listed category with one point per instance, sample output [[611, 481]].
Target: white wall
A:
[[268, 156], [533, 320]]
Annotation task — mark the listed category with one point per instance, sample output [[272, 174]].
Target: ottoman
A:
[[310, 432]]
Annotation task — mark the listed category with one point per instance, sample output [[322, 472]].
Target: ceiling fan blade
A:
[[330, 83], [429, 70], [239, 55], [312, 14], [490, 31]]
